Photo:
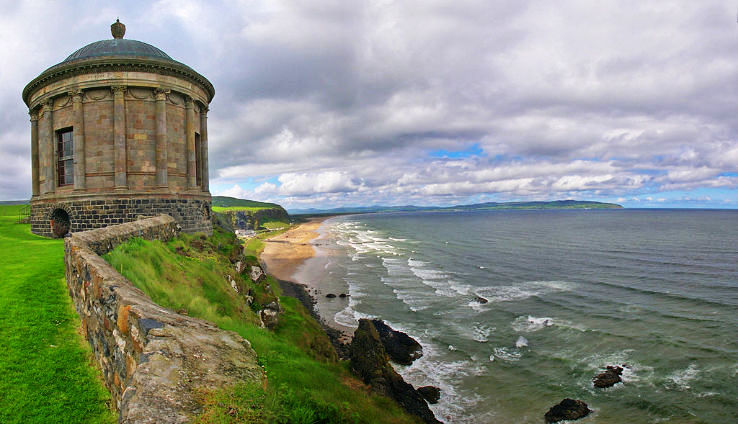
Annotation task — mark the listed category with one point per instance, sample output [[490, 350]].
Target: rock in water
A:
[[369, 361], [330, 295], [608, 378], [568, 409], [430, 393], [400, 347], [479, 299]]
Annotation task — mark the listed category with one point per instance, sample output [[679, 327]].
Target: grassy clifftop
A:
[[244, 214], [304, 381], [45, 371]]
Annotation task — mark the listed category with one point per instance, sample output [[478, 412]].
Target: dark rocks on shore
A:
[[430, 393], [300, 292], [330, 295], [369, 361], [568, 409], [400, 347], [343, 295], [608, 378]]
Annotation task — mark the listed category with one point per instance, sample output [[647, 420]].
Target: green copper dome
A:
[[117, 47]]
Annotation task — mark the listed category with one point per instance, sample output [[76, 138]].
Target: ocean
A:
[[568, 292]]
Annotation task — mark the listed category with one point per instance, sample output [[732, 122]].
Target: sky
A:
[[346, 103]]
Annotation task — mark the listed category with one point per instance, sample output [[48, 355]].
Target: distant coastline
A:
[[556, 204]]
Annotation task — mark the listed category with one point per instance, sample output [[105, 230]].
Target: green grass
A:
[[225, 202], [305, 382], [45, 371], [239, 208]]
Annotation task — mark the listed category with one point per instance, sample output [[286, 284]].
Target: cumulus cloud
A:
[[336, 103]]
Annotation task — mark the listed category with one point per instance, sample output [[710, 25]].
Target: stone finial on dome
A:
[[118, 29]]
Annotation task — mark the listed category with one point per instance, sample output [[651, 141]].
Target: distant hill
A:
[[230, 202], [233, 213], [13, 202], [556, 204]]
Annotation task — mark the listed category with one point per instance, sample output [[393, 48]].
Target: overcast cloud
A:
[[333, 103]]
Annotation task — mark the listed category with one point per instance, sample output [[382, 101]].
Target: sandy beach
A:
[[292, 257], [284, 253]]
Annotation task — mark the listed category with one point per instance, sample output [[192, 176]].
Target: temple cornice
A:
[[116, 64]]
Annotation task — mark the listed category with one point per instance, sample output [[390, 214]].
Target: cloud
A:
[[330, 102], [308, 184]]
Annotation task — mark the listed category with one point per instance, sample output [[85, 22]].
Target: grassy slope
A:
[[305, 382], [223, 202], [45, 374]]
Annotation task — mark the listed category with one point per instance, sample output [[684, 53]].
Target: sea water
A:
[[568, 292]]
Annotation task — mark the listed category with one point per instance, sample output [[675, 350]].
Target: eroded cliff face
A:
[[251, 220]]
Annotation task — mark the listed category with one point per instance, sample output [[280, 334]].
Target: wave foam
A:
[[681, 380], [507, 354], [531, 323], [522, 291]]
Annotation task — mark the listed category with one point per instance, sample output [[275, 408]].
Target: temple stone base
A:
[[55, 217]]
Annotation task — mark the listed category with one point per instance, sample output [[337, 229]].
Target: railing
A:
[[24, 215]]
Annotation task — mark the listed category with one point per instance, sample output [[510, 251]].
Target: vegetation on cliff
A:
[[208, 277], [45, 371], [244, 214]]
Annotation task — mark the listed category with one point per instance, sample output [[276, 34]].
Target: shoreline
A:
[[285, 257]]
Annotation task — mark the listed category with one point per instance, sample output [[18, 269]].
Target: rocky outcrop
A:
[[155, 363], [430, 393], [568, 409], [370, 362], [270, 314], [256, 274], [608, 378], [400, 347]]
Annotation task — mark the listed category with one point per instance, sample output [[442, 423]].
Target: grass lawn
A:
[[45, 364]]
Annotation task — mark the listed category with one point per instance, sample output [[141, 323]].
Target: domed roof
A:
[[117, 47], [115, 55]]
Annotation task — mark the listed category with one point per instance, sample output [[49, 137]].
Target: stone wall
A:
[[155, 362], [87, 213]]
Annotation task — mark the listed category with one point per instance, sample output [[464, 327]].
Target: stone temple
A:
[[118, 132]]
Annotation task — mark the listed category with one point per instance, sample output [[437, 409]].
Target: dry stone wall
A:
[[155, 362]]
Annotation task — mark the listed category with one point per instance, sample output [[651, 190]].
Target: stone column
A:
[[190, 140], [46, 147], [204, 148], [119, 137], [161, 138], [34, 152], [79, 140]]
